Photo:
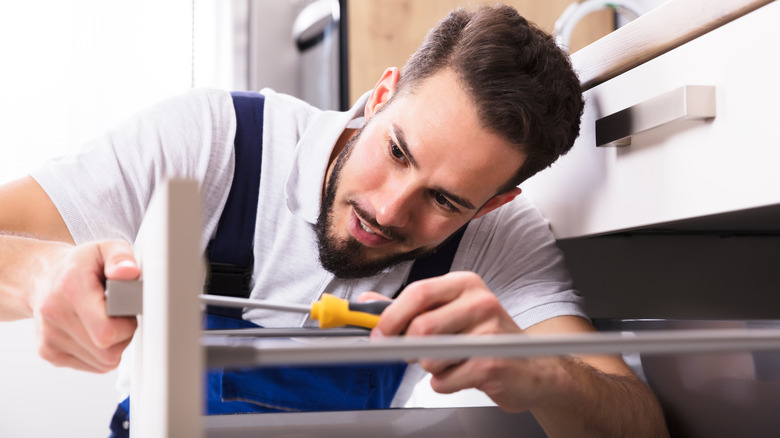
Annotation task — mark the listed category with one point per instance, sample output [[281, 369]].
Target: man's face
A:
[[418, 171]]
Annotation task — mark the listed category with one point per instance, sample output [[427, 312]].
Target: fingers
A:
[[471, 313], [119, 264], [448, 378], [66, 349], [455, 303], [440, 366], [119, 261], [109, 260], [417, 298], [73, 327], [514, 384], [487, 374]]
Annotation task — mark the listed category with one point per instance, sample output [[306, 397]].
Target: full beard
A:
[[346, 257]]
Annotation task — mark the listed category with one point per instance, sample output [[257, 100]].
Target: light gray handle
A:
[[684, 103]]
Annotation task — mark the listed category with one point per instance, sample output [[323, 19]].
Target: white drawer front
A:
[[684, 169]]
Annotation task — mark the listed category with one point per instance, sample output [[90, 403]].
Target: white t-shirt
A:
[[103, 192]]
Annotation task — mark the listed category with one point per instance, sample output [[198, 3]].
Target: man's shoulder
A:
[[197, 107], [502, 235], [283, 105], [210, 97]]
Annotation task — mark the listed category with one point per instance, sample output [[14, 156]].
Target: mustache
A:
[[390, 232]]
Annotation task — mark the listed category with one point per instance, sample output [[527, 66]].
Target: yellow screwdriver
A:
[[330, 311]]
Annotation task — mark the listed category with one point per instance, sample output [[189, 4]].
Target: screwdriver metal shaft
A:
[[217, 300]]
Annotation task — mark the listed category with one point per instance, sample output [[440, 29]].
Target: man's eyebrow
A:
[[404, 146], [456, 199]]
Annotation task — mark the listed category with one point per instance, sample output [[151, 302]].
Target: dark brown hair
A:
[[522, 85]]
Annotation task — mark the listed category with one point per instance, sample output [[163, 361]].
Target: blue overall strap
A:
[[230, 252]]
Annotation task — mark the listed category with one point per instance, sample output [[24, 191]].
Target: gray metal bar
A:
[[299, 332], [471, 422], [230, 352]]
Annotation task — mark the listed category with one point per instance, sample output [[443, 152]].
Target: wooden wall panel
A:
[[384, 33]]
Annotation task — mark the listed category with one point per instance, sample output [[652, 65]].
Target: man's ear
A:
[[382, 92], [498, 201]]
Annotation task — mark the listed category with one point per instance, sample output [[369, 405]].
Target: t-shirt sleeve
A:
[[515, 252], [103, 190]]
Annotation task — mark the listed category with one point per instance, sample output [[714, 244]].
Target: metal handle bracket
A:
[[684, 103]]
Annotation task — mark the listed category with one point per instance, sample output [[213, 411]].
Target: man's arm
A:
[[28, 211], [45, 277], [575, 396], [28, 219], [598, 395]]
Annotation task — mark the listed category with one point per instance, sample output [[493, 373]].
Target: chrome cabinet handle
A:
[[684, 103]]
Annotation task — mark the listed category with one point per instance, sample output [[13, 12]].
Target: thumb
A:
[[119, 260]]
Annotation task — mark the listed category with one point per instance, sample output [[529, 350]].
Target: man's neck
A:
[[346, 135]]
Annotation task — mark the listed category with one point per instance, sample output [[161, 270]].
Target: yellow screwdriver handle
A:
[[332, 312]]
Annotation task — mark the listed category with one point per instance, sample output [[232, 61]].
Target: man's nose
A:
[[396, 205]]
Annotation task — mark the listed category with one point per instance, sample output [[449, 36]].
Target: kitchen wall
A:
[[384, 33]]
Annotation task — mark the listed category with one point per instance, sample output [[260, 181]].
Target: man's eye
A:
[[443, 201], [396, 151]]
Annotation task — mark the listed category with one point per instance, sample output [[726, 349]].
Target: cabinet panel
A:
[[686, 169]]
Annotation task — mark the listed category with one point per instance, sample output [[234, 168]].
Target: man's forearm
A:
[[596, 404], [19, 267]]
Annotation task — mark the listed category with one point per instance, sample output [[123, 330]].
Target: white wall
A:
[[70, 70]]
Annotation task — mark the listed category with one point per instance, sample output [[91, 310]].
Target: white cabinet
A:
[[685, 169]]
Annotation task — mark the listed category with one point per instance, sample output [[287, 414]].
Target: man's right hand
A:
[[61, 286], [69, 307]]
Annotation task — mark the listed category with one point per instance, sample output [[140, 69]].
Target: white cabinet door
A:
[[685, 169]]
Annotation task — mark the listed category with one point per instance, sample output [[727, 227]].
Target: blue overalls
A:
[[290, 388]]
